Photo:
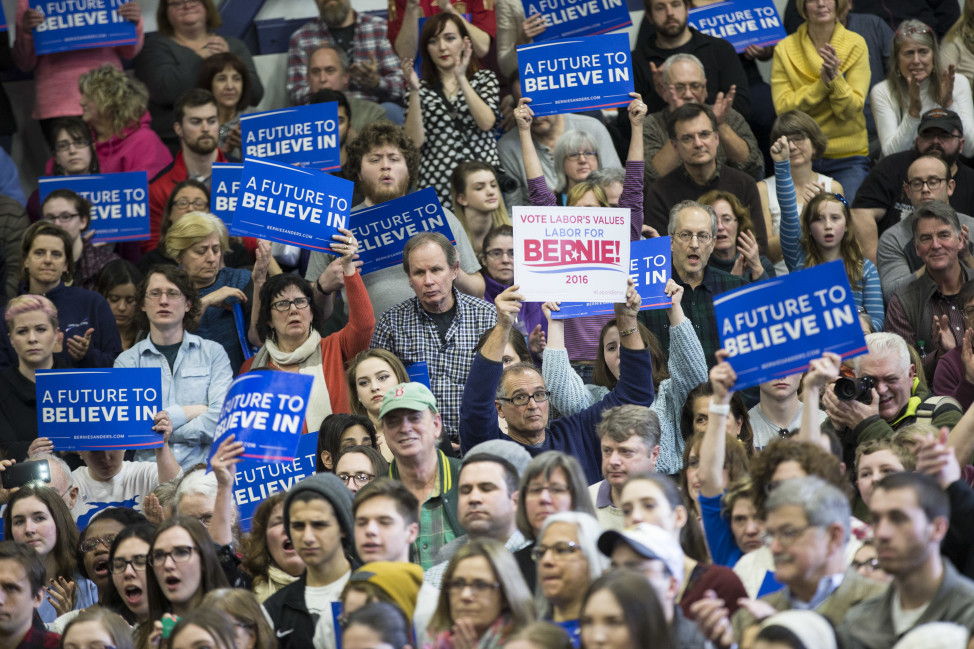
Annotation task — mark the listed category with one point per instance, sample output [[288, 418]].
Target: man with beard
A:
[[383, 163], [928, 180], [197, 126], [883, 201], [374, 70]]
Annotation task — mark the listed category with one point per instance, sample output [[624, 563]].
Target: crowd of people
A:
[[586, 482]]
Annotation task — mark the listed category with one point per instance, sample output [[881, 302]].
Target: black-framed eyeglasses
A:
[[522, 399], [179, 4], [933, 182], [554, 490], [361, 479], [63, 217], [179, 554], [91, 544], [478, 586], [120, 565], [285, 305], [197, 204], [78, 143], [562, 550]]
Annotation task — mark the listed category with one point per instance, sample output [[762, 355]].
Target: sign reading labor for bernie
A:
[[224, 187], [741, 22], [777, 327], [383, 230], [299, 207], [306, 136], [572, 18], [649, 268], [119, 202], [81, 24], [571, 253], [265, 411], [576, 75], [257, 481], [103, 409]]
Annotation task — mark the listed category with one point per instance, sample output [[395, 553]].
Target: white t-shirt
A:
[[127, 489], [318, 600]]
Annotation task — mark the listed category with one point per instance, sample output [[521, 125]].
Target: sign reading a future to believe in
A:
[[81, 24]]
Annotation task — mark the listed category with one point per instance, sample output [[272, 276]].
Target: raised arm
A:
[[713, 449], [224, 463], [821, 372], [414, 110], [568, 393], [523, 116], [790, 230], [166, 464]]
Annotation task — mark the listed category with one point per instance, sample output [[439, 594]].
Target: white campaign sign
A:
[[571, 254]]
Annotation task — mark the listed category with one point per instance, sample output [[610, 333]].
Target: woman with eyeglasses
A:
[[96, 542], [918, 81], [72, 154], [806, 144], [825, 233], [823, 70], [37, 516], [183, 568], [253, 631], [568, 559], [126, 592], [357, 466], [483, 599], [97, 628], [553, 482], [188, 196], [735, 247], [72, 213], [289, 323], [170, 62]]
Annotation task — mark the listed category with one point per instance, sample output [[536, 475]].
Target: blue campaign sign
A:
[[383, 230], [3, 20], [81, 24], [777, 327], [257, 481], [576, 75], [649, 267], [419, 373], [119, 202], [305, 135], [265, 411], [299, 207], [224, 187], [571, 18], [91, 410], [741, 22]]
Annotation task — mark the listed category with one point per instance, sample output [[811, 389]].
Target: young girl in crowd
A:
[[38, 517], [370, 375], [826, 233], [96, 542], [72, 213], [477, 201], [338, 432], [673, 377], [621, 610], [270, 556], [735, 248], [127, 591], [357, 466], [117, 283], [249, 621], [72, 154], [452, 111]]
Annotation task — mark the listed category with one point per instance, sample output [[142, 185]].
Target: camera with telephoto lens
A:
[[860, 389]]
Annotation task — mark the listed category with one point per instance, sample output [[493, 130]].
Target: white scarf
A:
[[308, 357]]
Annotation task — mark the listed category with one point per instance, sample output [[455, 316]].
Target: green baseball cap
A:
[[412, 396]]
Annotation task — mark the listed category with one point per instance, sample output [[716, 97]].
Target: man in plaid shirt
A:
[[375, 71], [440, 325]]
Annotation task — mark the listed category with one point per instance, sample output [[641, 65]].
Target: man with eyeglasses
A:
[[629, 436], [807, 530], [910, 518], [196, 372], [685, 81], [694, 134], [928, 180], [883, 200], [22, 581], [934, 296], [518, 393], [198, 129], [693, 227]]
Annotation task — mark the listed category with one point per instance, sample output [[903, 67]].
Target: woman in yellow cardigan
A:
[[823, 70]]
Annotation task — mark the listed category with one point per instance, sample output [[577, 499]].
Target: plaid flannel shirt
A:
[[410, 333], [698, 305], [370, 40]]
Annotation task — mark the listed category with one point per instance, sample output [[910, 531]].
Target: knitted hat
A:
[[329, 487], [399, 580], [514, 453]]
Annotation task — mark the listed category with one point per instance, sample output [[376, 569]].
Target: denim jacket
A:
[[201, 368]]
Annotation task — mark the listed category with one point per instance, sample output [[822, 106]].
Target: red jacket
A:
[[159, 189]]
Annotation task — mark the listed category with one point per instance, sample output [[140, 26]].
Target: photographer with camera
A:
[[884, 397]]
